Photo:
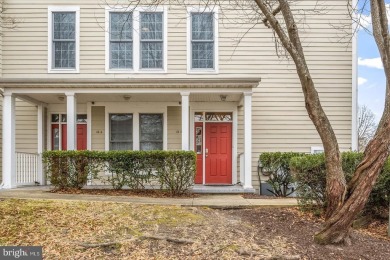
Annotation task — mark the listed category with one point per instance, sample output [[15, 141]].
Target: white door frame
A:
[[216, 107]]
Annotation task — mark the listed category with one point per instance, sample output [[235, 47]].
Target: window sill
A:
[[202, 72], [152, 71], [141, 71], [129, 71], [64, 71]]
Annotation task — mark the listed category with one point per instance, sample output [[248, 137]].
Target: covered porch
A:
[[160, 114]]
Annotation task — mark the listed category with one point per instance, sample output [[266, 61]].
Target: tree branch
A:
[[274, 13]]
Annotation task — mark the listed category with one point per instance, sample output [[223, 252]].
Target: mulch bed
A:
[[297, 229], [125, 192]]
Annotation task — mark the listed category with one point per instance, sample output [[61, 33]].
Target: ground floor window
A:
[[151, 132], [121, 131]]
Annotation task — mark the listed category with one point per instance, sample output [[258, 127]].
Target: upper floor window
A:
[[151, 40], [202, 41], [136, 40], [63, 39], [121, 40]]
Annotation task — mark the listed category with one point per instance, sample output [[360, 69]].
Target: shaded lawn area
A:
[[64, 228]]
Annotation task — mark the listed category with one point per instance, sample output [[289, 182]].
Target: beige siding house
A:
[[96, 75]]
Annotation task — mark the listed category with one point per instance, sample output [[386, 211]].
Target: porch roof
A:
[[131, 83]]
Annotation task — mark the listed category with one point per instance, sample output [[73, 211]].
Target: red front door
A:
[[218, 152], [81, 137]]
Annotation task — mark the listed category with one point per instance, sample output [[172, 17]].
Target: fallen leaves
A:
[[105, 230]]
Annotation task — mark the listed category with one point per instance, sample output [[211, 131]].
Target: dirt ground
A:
[[101, 230]]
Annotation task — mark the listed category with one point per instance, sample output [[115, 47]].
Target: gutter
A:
[[150, 82]]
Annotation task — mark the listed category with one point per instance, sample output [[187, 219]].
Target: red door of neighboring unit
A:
[[81, 136], [218, 153]]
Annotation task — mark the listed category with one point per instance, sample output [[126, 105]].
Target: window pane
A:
[[64, 25], [121, 26], [81, 118], [203, 55], [202, 26], [219, 116], [152, 55], [151, 131], [55, 117], [56, 138], [64, 55], [121, 55], [64, 118], [150, 146], [199, 116], [121, 146], [121, 131], [151, 26]]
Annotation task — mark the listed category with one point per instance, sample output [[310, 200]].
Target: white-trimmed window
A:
[[136, 40], [63, 39], [121, 40], [152, 41], [151, 132], [202, 40], [121, 131]]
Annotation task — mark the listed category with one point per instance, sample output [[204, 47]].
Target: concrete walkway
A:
[[215, 200]]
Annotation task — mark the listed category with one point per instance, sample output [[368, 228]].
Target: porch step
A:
[[218, 189]]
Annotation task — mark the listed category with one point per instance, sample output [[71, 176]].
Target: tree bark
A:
[[378, 149], [336, 183], [342, 204], [337, 227]]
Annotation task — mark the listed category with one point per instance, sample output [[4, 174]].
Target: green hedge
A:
[[309, 172], [173, 170], [277, 167]]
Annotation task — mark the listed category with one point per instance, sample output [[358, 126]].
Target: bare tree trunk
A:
[[337, 226], [336, 184], [342, 207], [378, 149]]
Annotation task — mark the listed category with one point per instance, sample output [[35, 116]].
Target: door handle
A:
[[207, 152]]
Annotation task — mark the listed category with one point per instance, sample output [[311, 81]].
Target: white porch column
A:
[[89, 126], [185, 121], [71, 114], [41, 136], [9, 156], [248, 140]]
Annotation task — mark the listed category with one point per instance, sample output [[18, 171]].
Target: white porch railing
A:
[[27, 168]]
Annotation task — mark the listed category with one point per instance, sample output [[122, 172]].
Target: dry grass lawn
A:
[[72, 230]]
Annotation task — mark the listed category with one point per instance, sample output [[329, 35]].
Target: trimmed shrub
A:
[[175, 170], [129, 168], [310, 175], [70, 169], [277, 167], [379, 200]]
